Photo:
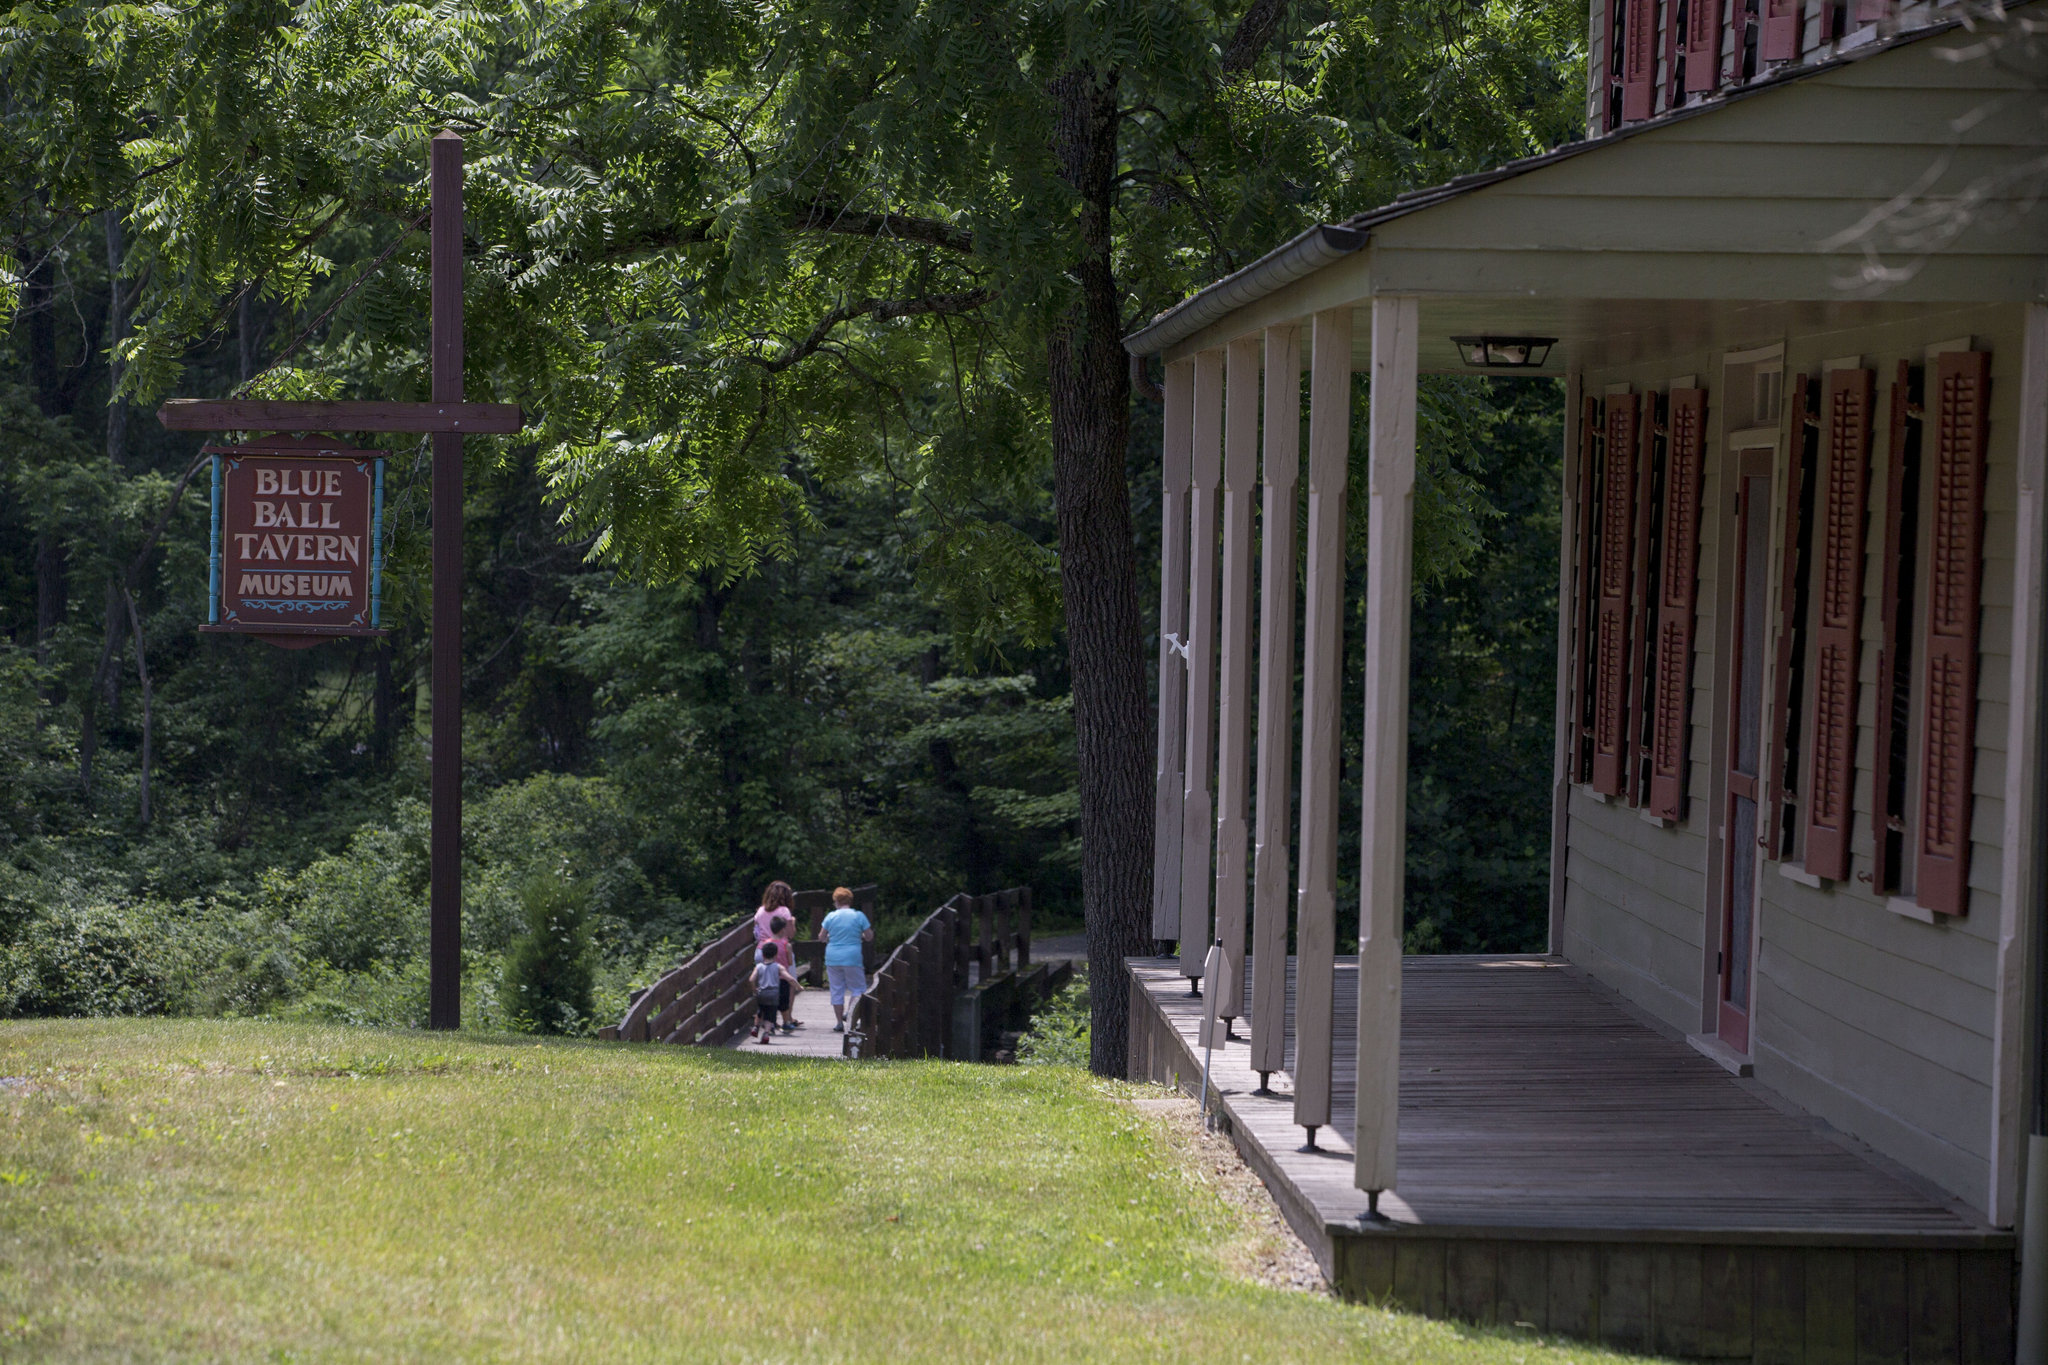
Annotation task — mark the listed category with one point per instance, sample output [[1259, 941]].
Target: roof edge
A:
[[1299, 256]]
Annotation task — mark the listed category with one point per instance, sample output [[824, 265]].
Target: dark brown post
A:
[[1023, 927], [984, 937], [444, 951]]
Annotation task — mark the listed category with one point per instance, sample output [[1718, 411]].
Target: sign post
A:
[[444, 855], [267, 491]]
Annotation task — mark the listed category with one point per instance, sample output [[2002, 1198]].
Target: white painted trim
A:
[[1168, 783], [1198, 811], [1272, 819], [1322, 671], [1847, 362], [2021, 875], [1756, 355], [1946, 347], [1710, 1046], [1754, 438], [1908, 908], [1793, 872], [1383, 802]]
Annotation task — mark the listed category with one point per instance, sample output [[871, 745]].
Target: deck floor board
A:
[[1531, 1101]]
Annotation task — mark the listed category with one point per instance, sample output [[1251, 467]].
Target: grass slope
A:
[[242, 1191]]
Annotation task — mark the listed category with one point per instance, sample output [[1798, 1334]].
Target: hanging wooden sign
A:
[[298, 551]]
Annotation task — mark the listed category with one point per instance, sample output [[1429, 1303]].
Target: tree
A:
[[729, 252]]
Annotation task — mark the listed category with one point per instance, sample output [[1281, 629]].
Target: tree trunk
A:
[[148, 717], [117, 326], [1089, 378], [49, 593], [103, 688]]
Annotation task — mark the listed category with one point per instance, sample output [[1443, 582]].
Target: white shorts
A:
[[847, 981]]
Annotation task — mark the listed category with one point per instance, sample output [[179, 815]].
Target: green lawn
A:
[[240, 1191]]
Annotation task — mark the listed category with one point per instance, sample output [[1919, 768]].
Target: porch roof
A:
[[1727, 220]]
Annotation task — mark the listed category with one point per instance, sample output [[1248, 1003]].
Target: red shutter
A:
[[1883, 811], [1639, 60], [1610, 640], [1838, 554], [1632, 753], [1583, 596], [1787, 705], [1702, 45], [1782, 21], [1678, 588], [1955, 569]]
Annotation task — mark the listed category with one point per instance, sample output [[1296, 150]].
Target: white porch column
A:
[[1173, 671], [1383, 834], [1234, 730], [2020, 884], [1276, 702], [1198, 812], [1322, 669], [1568, 535]]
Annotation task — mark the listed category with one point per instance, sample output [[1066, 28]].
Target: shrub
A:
[[84, 959], [548, 972], [1058, 1035]]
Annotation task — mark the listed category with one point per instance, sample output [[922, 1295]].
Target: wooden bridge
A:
[[961, 981]]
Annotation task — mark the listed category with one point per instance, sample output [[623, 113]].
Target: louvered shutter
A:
[[1702, 45], [1838, 555], [1955, 567], [1634, 780], [1584, 597], [1617, 552], [1782, 20], [1883, 809], [1638, 60], [1787, 704], [1677, 592]]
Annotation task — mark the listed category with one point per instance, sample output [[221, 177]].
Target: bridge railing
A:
[[910, 1008], [708, 998]]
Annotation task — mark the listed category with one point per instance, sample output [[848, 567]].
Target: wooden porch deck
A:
[[1565, 1165]]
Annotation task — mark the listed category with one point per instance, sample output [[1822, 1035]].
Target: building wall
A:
[[1879, 1022]]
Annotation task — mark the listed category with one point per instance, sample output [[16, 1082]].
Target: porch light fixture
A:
[[1504, 353]]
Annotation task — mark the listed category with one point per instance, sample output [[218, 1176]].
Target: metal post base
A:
[[1372, 1212], [1194, 988], [1310, 1145], [1265, 1087]]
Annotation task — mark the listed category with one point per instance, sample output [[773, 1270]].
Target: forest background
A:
[[773, 586]]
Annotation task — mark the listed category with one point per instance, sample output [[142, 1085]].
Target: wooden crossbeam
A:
[[470, 419]]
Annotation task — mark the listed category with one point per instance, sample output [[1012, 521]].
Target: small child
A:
[[768, 978], [782, 933]]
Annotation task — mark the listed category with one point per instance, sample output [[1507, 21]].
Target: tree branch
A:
[[1254, 31], [819, 216], [882, 310]]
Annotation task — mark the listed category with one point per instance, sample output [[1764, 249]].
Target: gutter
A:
[[1282, 266]]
